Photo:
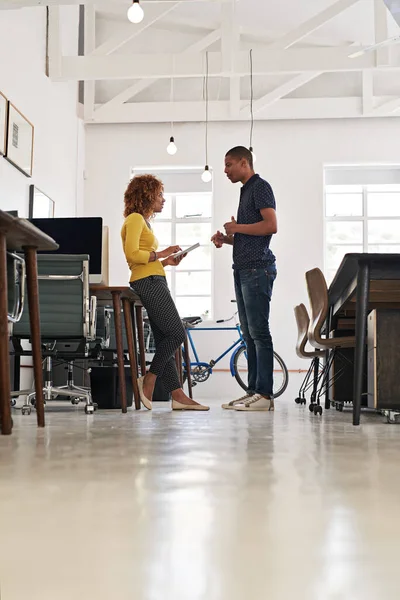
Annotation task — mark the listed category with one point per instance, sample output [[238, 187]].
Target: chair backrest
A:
[[318, 294], [303, 321], [63, 298]]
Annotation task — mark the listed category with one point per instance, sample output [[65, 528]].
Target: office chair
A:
[[67, 314], [318, 294], [313, 374]]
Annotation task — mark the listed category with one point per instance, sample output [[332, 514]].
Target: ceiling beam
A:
[[151, 66], [230, 45], [54, 49], [387, 108], [12, 4], [381, 32], [283, 90], [120, 39], [367, 92], [287, 108], [139, 86], [312, 24], [90, 44]]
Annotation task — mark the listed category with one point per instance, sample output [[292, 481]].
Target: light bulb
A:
[[253, 153], [171, 148], [206, 176], [135, 12]]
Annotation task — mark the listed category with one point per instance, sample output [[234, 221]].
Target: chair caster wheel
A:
[[13, 403], [75, 401], [311, 407], [304, 401], [26, 410], [317, 410], [340, 407], [95, 406], [299, 401], [89, 410]]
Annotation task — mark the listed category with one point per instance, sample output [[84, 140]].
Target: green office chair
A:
[[67, 313]]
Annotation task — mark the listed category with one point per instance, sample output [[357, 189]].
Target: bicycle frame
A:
[[209, 366]]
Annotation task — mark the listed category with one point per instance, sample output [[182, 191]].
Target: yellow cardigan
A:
[[138, 242]]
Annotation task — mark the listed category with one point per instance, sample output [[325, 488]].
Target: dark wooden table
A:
[[20, 235], [362, 283], [123, 297]]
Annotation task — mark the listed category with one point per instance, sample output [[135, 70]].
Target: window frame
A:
[[364, 219], [174, 221]]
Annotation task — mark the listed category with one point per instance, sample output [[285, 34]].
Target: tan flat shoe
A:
[[145, 401], [178, 406]]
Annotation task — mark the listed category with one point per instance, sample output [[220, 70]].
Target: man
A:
[[254, 271]]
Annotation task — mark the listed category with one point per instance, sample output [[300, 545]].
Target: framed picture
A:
[[3, 124], [40, 205], [19, 141]]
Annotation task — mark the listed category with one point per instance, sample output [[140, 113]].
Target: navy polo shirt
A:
[[252, 251]]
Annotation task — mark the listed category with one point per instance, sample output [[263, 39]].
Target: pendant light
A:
[[207, 175], [135, 12], [171, 148], [251, 108]]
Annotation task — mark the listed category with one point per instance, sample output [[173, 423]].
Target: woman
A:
[[144, 198]]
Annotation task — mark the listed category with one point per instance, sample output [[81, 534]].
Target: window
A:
[[185, 220], [361, 217]]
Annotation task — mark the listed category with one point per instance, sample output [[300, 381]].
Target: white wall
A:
[[59, 135], [290, 155], [51, 107]]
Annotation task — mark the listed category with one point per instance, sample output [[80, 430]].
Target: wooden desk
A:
[[363, 282], [123, 297], [21, 235]]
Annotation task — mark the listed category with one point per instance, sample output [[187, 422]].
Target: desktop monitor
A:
[[79, 235]]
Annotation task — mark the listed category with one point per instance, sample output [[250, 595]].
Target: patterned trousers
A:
[[168, 330]]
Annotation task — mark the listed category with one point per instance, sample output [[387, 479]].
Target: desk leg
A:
[[116, 296], [361, 333], [187, 362], [131, 348], [34, 319], [140, 331], [327, 353], [5, 414]]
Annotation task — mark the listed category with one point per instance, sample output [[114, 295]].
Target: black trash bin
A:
[[104, 383]]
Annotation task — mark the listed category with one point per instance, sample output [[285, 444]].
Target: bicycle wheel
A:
[[281, 375]]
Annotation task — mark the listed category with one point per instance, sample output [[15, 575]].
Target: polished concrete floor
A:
[[211, 506]]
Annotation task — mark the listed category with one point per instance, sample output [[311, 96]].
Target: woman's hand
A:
[[168, 251], [173, 261]]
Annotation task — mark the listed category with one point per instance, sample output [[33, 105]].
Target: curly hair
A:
[[141, 194]]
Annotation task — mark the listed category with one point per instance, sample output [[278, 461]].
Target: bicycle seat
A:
[[191, 321]]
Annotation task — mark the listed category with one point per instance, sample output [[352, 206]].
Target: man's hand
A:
[[173, 261], [231, 226], [218, 239]]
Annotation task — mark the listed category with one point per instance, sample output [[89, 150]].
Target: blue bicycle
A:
[[201, 371]]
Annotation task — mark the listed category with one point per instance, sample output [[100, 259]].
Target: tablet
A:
[[186, 250]]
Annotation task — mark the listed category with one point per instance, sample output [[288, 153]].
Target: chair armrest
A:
[[60, 277], [92, 317], [19, 279]]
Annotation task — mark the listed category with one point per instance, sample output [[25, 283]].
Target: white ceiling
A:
[[312, 78], [262, 22]]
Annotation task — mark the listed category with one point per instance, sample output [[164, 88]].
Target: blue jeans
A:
[[253, 288]]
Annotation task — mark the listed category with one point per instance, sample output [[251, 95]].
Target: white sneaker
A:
[[257, 402], [234, 403]]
